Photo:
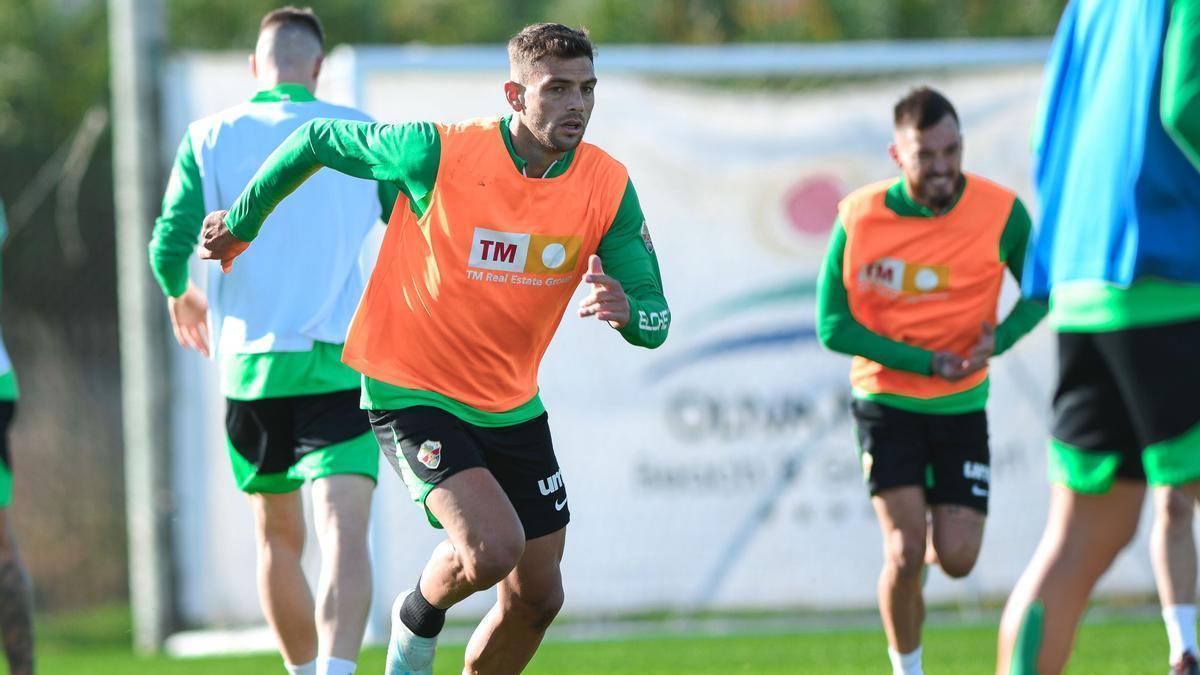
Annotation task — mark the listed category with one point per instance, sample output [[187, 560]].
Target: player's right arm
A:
[[405, 155], [1180, 100], [839, 331]]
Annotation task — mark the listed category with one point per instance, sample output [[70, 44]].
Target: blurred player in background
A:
[[910, 288], [502, 219], [1173, 552], [16, 597], [1118, 256], [278, 325]]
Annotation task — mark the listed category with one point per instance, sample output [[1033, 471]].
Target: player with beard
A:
[[499, 221], [909, 288]]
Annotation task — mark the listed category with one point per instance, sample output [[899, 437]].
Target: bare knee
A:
[[904, 554], [538, 610], [487, 562], [1175, 512], [957, 561]]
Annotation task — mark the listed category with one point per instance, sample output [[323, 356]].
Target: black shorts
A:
[[278, 443], [7, 410], [948, 455], [1126, 407], [435, 445]]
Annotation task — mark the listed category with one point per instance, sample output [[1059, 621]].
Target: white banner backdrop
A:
[[717, 471]]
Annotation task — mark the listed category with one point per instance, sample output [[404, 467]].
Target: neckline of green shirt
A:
[[285, 92], [900, 200], [558, 168]]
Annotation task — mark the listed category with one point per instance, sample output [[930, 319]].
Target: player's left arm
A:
[[1180, 100], [1026, 313], [627, 292]]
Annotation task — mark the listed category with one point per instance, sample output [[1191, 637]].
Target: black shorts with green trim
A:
[[427, 445], [1126, 407], [276, 444], [7, 410], [948, 455]]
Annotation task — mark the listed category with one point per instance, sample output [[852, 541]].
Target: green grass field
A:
[[97, 644]]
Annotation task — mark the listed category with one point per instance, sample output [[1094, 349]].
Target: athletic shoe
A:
[[1186, 665], [408, 653]]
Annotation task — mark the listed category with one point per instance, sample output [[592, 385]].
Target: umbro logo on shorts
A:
[[549, 486], [977, 471]]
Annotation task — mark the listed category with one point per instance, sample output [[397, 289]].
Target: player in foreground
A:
[[16, 597], [1118, 255], [500, 221], [909, 288], [278, 324]]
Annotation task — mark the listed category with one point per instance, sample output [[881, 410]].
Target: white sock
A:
[[1181, 629], [335, 666], [906, 664], [309, 668]]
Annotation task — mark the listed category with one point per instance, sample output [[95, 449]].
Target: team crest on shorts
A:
[[430, 454], [867, 462]]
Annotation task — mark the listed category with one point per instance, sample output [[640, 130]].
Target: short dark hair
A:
[[295, 16], [922, 108], [540, 40]]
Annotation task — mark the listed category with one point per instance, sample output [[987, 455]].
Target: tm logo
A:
[[498, 251], [521, 252], [900, 276]]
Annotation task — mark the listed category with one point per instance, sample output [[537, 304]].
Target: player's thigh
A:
[[342, 504], [279, 517], [428, 448], [478, 518], [902, 525], [1156, 368], [957, 536], [1093, 441], [891, 445], [522, 459]]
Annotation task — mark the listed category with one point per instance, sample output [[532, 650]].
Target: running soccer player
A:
[[1117, 254], [16, 597], [909, 288], [500, 221], [278, 325]]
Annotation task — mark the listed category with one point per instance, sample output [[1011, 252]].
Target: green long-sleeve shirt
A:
[[1180, 99], [839, 331], [408, 155]]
